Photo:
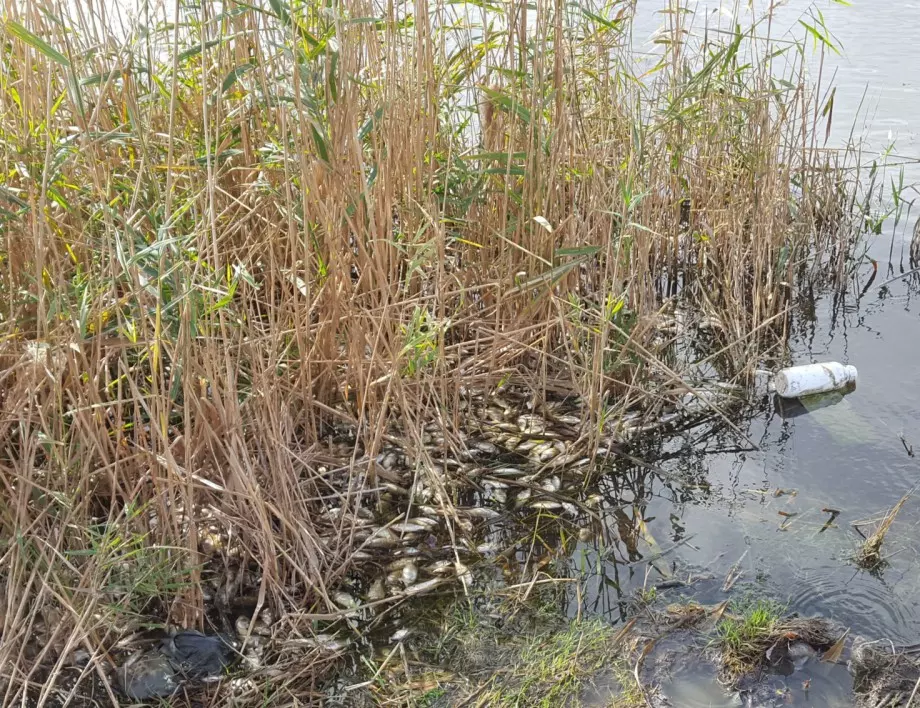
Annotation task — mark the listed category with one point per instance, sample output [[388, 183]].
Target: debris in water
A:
[[734, 573], [832, 655], [810, 379], [830, 522], [869, 554]]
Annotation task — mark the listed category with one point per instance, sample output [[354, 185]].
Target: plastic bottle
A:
[[807, 380]]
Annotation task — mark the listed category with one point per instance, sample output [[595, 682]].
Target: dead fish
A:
[[524, 495], [441, 567], [495, 484], [424, 587], [507, 472], [480, 512], [395, 489], [495, 414], [485, 447], [408, 551], [399, 635], [344, 600], [531, 424], [409, 574], [429, 523], [570, 460], [499, 496], [377, 590], [508, 428], [387, 460], [382, 538], [546, 505], [552, 484], [399, 564], [538, 451], [488, 549], [409, 527], [552, 452]]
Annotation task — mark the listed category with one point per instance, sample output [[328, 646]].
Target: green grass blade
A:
[[36, 42]]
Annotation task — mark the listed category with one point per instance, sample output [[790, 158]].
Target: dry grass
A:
[[517, 654], [869, 554], [235, 247]]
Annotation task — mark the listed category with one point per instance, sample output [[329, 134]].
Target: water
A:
[[725, 513], [849, 457]]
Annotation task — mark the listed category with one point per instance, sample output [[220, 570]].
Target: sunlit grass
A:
[[227, 235]]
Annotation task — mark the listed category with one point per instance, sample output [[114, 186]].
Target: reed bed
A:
[[244, 247]]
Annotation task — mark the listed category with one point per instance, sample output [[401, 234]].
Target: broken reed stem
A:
[[870, 551]]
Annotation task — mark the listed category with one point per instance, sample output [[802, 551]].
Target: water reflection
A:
[[704, 499]]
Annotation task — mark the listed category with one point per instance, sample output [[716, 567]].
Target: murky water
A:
[[761, 511]]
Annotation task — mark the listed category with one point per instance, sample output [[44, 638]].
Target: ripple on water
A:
[[857, 600]]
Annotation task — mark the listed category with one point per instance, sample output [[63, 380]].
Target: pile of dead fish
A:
[[513, 457]]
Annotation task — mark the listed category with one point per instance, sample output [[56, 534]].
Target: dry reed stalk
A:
[[226, 242], [869, 554]]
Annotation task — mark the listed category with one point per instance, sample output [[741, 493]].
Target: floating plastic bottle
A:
[[807, 380]]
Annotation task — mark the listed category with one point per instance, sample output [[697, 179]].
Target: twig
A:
[[910, 701], [897, 277]]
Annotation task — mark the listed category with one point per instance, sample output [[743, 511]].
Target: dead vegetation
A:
[[507, 651], [249, 255], [869, 554]]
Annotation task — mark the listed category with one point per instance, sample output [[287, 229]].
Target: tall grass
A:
[[228, 231]]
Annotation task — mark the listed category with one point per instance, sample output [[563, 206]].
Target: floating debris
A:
[[869, 554], [811, 379]]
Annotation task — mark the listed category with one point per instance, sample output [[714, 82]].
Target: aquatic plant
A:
[[869, 553], [241, 241]]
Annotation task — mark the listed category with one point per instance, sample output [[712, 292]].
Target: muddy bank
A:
[[515, 649]]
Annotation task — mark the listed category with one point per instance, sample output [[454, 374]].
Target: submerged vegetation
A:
[[511, 652], [265, 265]]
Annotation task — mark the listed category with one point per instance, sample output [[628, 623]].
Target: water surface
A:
[[761, 511]]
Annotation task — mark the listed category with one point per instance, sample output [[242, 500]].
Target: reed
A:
[[230, 233]]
